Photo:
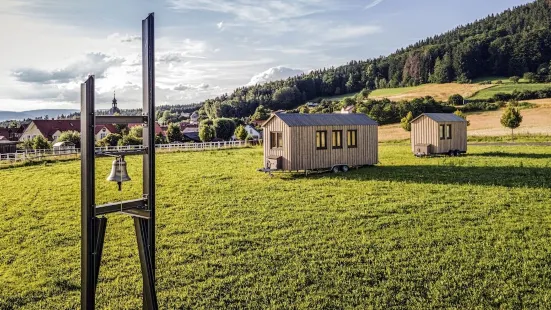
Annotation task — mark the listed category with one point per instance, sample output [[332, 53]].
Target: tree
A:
[[136, 131], [406, 121], [530, 77], [173, 133], [40, 143], [511, 118], [463, 116], [224, 128], [455, 99], [206, 133], [514, 79], [240, 132], [111, 139], [261, 114], [70, 136]]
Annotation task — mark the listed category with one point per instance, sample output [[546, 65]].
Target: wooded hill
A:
[[511, 43]]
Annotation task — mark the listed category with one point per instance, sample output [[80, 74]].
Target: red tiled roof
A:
[[110, 127], [4, 132], [49, 127]]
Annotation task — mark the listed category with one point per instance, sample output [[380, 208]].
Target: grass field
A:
[[466, 232], [508, 89], [438, 91]]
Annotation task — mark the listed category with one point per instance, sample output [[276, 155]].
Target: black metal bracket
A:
[[142, 210]]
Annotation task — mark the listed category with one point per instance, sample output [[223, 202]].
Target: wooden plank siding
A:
[[277, 125], [425, 130], [305, 155]]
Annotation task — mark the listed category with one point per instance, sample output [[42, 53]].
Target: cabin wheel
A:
[[345, 168], [457, 153], [450, 153], [336, 169]]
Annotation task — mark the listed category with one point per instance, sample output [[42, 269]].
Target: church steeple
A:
[[114, 110], [114, 100]]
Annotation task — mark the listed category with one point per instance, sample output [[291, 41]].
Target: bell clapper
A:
[[120, 186]]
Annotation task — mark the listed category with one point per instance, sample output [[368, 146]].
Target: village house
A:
[[251, 131]]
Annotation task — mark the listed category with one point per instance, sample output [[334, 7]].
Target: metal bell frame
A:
[[142, 210]]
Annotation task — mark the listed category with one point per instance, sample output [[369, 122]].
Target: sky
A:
[[204, 48]]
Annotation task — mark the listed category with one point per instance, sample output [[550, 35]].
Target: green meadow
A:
[[462, 232], [508, 88]]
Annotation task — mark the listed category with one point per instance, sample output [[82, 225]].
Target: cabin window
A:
[[337, 139], [448, 131], [352, 138], [442, 136], [276, 140], [321, 140]]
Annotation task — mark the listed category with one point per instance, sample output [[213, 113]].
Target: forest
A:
[[511, 43]]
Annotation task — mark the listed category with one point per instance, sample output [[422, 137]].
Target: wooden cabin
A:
[[7, 146], [438, 133], [294, 142]]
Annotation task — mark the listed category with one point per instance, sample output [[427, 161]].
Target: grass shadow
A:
[[508, 176], [512, 155]]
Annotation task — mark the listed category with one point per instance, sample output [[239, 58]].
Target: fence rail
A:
[[27, 155]]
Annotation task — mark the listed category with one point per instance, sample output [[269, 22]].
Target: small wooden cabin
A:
[[294, 142], [438, 133]]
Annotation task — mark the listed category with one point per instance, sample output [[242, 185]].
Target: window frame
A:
[[349, 136], [320, 132], [276, 140], [442, 131], [336, 139], [448, 131]]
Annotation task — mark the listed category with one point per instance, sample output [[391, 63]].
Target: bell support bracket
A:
[[142, 210]]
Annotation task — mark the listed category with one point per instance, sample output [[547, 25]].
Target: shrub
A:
[[70, 136], [455, 99], [130, 140], [406, 121], [206, 133], [240, 132], [40, 143], [224, 128], [111, 139], [173, 133], [514, 79]]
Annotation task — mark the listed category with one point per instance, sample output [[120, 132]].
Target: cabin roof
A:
[[297, 120], [441, 117]]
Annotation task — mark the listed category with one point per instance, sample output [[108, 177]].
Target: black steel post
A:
[[87, 194], [149, 294], [148, 76]]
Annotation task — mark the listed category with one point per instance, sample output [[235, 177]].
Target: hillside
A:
[[511, 43], [32, 114]]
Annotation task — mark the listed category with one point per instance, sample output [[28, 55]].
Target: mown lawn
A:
[[467, 232], [508, 88]]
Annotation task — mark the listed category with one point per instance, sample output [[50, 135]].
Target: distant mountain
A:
[[32, 114]]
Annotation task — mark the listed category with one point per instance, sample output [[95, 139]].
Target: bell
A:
[[118, 172]]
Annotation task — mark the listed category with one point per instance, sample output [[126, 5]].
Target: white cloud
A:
[[127, 38], [91, 63], [373, 4], [348, 32], [273, 74], [220, 26], [267, 12]]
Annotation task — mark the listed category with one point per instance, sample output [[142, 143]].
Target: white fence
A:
[[25, 155]]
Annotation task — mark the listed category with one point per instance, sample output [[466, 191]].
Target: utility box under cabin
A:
[[295, 142], [438, 133]]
